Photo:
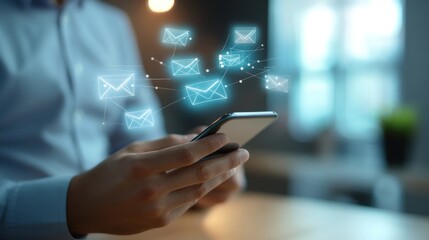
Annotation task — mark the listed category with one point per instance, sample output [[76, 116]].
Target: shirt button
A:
[[78, 68]]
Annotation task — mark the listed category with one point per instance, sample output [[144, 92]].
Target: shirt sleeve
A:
[[34, 209]]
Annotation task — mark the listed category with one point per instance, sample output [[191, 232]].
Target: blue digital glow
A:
[[245, 35], [230, 60], [206, 91], [178, 37], [185, 66], [238, 59], [116, 86], [277, 83], [139, 119]]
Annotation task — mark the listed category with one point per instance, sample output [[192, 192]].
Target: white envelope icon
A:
[[206, 91], [116, 86], [276, 83], [185, 67], [175, 36], [139, 119], [245, 35], [230, 60]]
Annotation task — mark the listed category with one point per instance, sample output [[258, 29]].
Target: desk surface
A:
[[267, 217]]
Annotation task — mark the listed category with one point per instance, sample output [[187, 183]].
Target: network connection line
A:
[[117, 104], [104, 114], [226, 42], [247, 78], [170, 104], [240, 55], [157, 88]]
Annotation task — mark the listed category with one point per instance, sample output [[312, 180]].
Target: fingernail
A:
[[244, 155]]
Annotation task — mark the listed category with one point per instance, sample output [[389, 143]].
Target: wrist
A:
[[75, 219]]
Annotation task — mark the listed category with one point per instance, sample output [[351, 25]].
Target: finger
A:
[[232, 184], [164, 219], [170, 140], [214, 183], [198, 129], [214, 197], [180, 155], [223, 192], [193, 193], [178, 202], [205, 170], [176, 213]]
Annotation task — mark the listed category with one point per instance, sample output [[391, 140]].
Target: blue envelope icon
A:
[[245, 35], [230, 60], [116, 86], [276, 83], [206, 91], [185, 67], [175, 36], [139, 119]]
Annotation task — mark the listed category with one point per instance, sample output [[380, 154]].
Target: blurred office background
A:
[[353, 127]]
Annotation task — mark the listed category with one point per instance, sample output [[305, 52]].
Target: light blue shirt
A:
[[50, 114]]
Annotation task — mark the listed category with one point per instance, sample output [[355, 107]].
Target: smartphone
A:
[[240, 127]]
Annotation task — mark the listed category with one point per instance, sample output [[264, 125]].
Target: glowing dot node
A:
[[103, 123], [207, 70], [241, 68], [248, 64], [147, 75], [152, 58], [258, 61], [253, 67], [262, 45], [266, 87], [156, 87], [222, 66], [161, 63], [190, 39], [226, 86], [241, 81]]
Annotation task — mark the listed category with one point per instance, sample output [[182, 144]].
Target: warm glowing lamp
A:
[[160, 5]]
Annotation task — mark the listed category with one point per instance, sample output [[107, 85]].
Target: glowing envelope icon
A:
[[207, 91], [139, 119]]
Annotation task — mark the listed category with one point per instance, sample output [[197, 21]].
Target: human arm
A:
[[133, 192]]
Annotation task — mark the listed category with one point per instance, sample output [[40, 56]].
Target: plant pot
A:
[[396, 149]]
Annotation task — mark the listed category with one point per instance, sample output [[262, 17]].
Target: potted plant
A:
[[398, 130]]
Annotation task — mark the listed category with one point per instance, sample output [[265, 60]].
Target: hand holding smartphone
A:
[[240, 127]]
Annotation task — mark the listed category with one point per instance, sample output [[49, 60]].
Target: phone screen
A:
[[240, 127]]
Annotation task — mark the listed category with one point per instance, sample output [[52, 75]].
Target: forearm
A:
[[34, 209]]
